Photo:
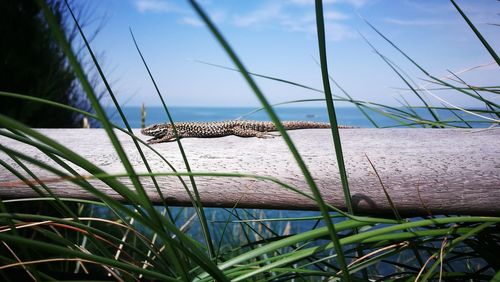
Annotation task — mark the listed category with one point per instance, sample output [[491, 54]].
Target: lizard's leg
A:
[[241, 132], [161, 138], [273, 134]]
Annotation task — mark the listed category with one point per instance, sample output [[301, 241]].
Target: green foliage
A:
[[106, 239], [32, 62]]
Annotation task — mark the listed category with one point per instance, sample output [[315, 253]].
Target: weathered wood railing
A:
[[438, 171]]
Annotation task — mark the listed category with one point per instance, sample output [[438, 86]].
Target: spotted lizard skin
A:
[[244, 128]]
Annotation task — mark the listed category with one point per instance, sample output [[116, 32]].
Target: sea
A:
[[351, 116]]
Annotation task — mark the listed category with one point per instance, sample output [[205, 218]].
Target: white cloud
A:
[[190, 21], [334, 15], [218, 16], [333, 31], [155, 6], [416, 22], [430, 7], [273, 14], [302, 2], [355, 3], [338, 32], [277, 15], [260, 16]]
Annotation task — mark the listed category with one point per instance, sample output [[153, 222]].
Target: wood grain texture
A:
[[454, 171]]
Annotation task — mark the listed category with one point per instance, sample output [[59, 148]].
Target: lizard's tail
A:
[[305, 124]]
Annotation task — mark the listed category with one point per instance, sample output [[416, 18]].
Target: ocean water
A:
[[346, 115], [351, 116]]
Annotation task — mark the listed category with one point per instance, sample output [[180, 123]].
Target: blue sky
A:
[[278, 38]]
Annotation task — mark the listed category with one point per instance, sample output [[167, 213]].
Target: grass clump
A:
[[107, 239]]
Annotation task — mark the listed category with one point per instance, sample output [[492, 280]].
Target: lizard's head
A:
[[160, 133], [156, 129]]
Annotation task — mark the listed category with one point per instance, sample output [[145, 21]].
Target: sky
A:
[[278, 38]]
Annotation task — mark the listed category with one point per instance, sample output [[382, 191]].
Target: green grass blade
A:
[[111, 239], [320, 26], [73, 61], [359, 106], [59, 205], [128, 194], [252, 176], [387, 196], [478, 34], [453, 243], [78, 181], [186, 245], [339, 98], [463, 90], [461, 119], [386, 233], [263, 76], [349, 98], [100, 111], [496, 277], [358, 103], [59, 105], [68, 154], [302, 237], [276, 121], [197, 203], [390, 64], [390, 112], [396, 47], [226, 224], [80, 74], [58, 250], [478, 95], [432, 77]]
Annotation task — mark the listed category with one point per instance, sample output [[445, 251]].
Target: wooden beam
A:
[[438, 171]]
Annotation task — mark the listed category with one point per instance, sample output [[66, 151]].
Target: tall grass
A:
[[106, 239]]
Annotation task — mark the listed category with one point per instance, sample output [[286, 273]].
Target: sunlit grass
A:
[[107, 239]]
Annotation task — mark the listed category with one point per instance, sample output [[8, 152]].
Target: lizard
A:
[[164, 132]]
